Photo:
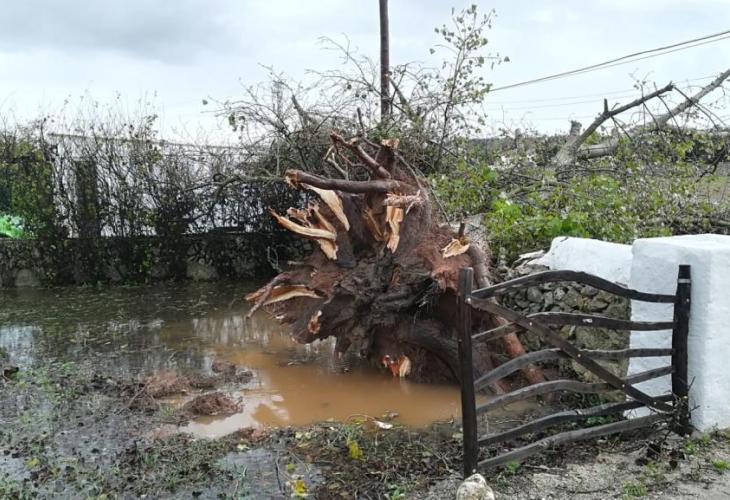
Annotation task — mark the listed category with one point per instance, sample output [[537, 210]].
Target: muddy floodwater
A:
[[132, 331]]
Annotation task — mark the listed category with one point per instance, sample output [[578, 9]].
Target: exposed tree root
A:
[[383, 276]]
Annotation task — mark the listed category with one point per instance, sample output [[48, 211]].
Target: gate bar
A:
[[468, 399]]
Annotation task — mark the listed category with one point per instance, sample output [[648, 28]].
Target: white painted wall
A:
[[654, 269], [611, 261], [651, 265]]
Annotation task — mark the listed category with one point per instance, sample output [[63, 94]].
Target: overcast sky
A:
[[177, 52]]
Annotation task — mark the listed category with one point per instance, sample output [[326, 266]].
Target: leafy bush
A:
[[11, 226], [618, 208], [27, 184]]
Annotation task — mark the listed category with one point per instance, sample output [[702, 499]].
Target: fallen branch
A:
[[575, 149], [569, 152]]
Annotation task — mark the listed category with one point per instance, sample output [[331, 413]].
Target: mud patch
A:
[[166, 383], [211, 404]]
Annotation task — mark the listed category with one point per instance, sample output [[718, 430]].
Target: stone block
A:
[[26, 278]]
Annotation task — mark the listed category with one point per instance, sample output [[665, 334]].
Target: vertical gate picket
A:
[[680, 384], [468, 399]]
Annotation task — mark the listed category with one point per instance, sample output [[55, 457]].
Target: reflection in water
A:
[[133, 331]]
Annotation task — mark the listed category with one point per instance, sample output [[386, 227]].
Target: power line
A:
[[557, 105], [596, 99], [586, 96], [625, 59]]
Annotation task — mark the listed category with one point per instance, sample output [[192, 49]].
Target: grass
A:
[[511, 468], [363, 460], [634, 490], [696, 445], [396, 492], [721, 465], [13, 489], [653, 473]]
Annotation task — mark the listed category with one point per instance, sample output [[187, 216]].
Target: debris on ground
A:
[[166, 383], [204, 382], [211, 404], [230, 372], [474, 487], [223, 367], [87, 438]]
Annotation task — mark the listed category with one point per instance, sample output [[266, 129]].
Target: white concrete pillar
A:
[[654, 269]]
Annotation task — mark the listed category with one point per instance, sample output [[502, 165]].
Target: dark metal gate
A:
[[671, 407]]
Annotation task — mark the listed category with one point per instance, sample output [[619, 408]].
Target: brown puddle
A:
[[129, 332], [297, 385]]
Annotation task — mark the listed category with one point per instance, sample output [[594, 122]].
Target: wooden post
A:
[[468, 399], [680, 384], [384, 62]]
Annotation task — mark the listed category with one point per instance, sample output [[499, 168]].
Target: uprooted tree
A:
[[382, 276]]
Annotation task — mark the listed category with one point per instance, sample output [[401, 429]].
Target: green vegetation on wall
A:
[[11, 227]]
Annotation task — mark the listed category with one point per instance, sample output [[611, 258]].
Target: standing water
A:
[[129, 332]]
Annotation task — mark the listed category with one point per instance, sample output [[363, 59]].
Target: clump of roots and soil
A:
[[165, 383], [211, 404], [382, 278]]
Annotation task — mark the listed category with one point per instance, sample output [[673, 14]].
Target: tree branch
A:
[[609, 147], [296, 177], [569, 152], [376, 169]]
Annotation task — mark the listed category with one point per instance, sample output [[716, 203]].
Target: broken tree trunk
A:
[[382, 278], [575, 148]]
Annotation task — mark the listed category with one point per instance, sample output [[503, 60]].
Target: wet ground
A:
[[128, 332], [75, 423], [72, 422]]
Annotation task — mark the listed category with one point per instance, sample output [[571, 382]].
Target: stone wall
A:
[[575, 298], [210, 256]]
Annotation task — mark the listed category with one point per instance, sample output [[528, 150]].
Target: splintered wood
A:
[[382, 277]]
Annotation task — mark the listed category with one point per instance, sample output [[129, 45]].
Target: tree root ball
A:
[[383, 276]]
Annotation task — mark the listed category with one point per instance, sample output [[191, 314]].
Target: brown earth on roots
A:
[[382, 278], [214, 403], [231, 373], [166, 383], [224, 367]]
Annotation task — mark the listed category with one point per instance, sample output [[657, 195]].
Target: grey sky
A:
[[177, 52]]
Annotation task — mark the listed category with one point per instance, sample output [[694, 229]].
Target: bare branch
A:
[[609, 147], [295, 177], [376, 169], [569, 152]]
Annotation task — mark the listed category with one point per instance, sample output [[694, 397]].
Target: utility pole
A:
[[384, 62]]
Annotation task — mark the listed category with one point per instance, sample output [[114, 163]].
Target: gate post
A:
[[468, 399], [680, 384]]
